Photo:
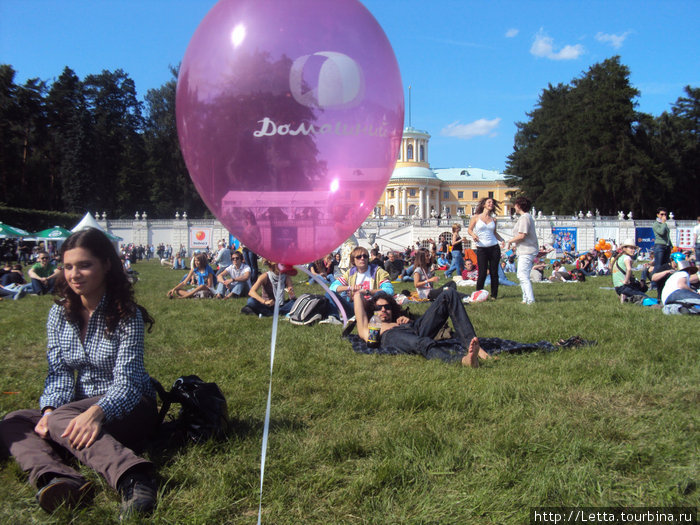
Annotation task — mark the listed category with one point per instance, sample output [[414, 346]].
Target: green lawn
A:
[[398, 439]]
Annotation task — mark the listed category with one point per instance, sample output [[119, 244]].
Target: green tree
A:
[[171, 188], [72, 151], [580, 150], [120, 158], [675, 142]]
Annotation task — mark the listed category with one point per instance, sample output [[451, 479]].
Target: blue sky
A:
[[475, 68]]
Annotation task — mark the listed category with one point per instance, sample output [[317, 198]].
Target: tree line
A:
[[90, 145], [586, 147]]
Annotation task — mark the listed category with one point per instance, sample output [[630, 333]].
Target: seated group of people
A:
[[676, 282], [42, 275]]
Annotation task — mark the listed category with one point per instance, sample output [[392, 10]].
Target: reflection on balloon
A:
[[289, 122]]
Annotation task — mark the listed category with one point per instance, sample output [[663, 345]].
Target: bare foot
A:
[[472, 357]]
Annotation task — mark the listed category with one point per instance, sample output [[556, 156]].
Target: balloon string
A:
[[324, 285], [273, 344]]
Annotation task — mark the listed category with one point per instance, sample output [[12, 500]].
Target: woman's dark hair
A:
[[523, 203], [396, 310], [120, 302], [422, 260], [482, 203]]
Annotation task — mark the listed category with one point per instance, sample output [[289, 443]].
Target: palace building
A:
[[417, 190]]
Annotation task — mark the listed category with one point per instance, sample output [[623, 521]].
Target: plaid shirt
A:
[[110, 366]]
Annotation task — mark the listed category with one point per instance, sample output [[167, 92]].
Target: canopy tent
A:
[[11, 231], [89, 222], [52, 234]]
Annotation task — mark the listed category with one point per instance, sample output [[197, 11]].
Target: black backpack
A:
[[308, 308], [203, 411]]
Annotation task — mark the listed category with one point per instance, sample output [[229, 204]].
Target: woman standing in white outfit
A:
[[482, 228], [525, 241]]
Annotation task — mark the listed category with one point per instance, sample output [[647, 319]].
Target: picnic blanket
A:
[[491, 345]]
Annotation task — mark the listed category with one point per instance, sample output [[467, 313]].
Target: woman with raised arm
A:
[[98, 403], [483, 229]]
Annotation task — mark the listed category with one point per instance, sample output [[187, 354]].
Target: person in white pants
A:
[[525, 241]]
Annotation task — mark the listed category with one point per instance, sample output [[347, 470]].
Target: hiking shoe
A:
[[64, 491], [138, 492], [247, 310]]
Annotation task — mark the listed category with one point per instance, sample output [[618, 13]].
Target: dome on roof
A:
[[413, 172]]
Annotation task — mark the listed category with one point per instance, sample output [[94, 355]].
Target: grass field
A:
[[397, 439]]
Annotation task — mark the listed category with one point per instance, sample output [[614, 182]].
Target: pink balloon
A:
[[290, 117]]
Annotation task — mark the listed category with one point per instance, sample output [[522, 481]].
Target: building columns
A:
[[421, 203], [405, 200]]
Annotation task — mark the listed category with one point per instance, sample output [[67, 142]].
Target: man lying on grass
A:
[[418, 336]]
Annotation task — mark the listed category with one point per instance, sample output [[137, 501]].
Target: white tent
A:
[[89, 222]]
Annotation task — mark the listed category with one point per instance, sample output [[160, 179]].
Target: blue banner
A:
[[644, 237], [233, 241], [564, 240]]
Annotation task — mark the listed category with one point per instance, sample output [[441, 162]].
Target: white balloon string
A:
[[273, 344], [324, 285]]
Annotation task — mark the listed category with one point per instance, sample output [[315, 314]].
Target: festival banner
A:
[[200, 238], [564, 240], [644, 237], [684, 238]]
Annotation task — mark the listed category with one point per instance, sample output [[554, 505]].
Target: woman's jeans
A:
[[488, 257], [457, 264], [269, 311], [525, 263], [683, 297]]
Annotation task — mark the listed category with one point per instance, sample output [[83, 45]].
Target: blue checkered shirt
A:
[[104, 365]]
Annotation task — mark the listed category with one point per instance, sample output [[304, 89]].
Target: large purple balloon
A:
[[290, 114]]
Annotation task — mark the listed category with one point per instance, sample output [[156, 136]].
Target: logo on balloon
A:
[[339, 83], [200, 235]]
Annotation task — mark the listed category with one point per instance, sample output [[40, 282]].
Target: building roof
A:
[[468, 175], [413, 172]]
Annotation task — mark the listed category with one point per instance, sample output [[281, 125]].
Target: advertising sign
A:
[[564, 240], [200, 238]]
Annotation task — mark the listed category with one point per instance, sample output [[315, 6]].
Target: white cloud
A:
[[478, 128], [614, 40], [511, 33], [543, 46]]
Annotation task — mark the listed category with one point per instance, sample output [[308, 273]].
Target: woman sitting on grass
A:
[[98, 403], [203, 276], [266, 291], [424, 277]]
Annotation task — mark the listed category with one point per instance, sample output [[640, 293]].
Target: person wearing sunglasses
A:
[[417, 336], [234, 280], [662, 239], [361, 276], [43, 274]]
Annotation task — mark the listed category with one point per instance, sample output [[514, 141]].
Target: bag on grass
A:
[[203, 411], [308, 308]]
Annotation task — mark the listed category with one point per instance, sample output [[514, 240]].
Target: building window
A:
[[391, 193], [475, 195], [412, 210], [422, 153], [409, 152], [445, 194], [460, 211], [460, 194], [412, 193], [392, 210], [490, 195]]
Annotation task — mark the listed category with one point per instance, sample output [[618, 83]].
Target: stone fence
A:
[[398, 233]]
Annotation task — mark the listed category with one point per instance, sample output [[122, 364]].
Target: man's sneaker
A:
[[64, 491], [330, 320], [21, 293], [138, 492], [247, 310]]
